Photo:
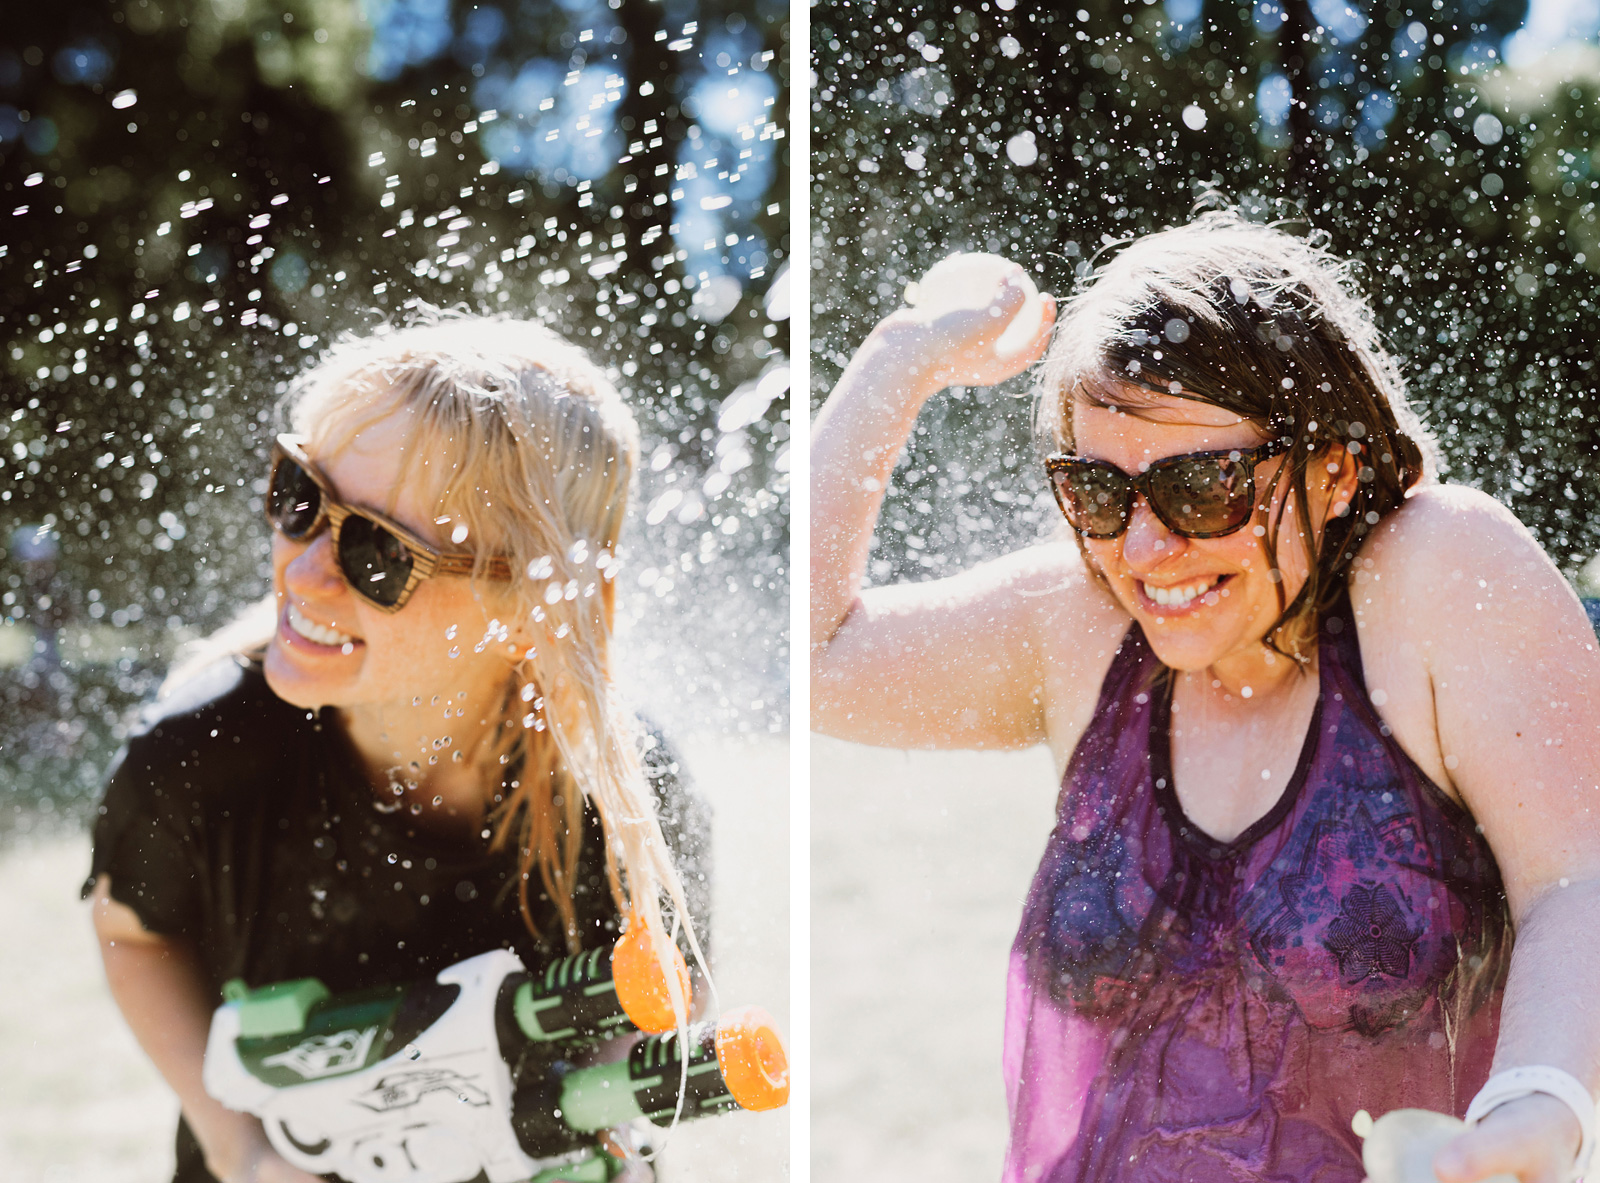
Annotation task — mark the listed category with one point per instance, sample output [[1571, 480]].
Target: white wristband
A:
[[1516, 1083]]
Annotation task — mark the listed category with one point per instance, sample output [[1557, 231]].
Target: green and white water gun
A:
[[473, 1073]]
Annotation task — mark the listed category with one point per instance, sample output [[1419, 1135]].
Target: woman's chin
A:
[[296, 685], [1191, 641]]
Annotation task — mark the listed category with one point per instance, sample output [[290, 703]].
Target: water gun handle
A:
[[598, 993], [738, 1062]]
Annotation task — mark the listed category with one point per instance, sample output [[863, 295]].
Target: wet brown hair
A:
[[1249, 318]]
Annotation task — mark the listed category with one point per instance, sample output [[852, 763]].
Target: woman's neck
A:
[[434, 757], [1255, 675]]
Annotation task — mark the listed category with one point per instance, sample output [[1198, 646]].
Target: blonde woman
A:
[[420, 755]]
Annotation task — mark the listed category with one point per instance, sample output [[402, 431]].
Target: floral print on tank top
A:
[[1183, 1009]]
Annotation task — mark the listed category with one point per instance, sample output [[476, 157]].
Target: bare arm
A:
[[159, 987], [867, 419], [1515, 674], [948, 663]]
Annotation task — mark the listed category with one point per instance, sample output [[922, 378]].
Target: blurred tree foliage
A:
[[1462, 189], [197, 196]]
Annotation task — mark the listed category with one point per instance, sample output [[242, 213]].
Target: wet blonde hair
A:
[[532, 452]]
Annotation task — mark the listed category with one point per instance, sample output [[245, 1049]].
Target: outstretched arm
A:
[[159, 987]]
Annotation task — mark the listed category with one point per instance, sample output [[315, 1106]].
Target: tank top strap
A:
[[1339, 648], [1135, 671]]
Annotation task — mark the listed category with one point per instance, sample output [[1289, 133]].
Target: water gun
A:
[[1399, 1146], [472, 1074]]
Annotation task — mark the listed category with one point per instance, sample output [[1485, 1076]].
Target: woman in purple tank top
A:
[[1329, 732]]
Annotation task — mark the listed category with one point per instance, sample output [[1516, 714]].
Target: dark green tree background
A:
[[197, 196], [1461, 188]]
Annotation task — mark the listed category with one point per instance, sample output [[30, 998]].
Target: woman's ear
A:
[[521, 640], [1340, 473]]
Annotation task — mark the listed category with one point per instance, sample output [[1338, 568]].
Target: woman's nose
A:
[[1147, 542], [314, 571]]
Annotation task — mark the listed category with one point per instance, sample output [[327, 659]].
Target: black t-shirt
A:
[[247, 826]]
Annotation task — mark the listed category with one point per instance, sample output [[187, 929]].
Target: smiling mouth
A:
[[1182, 595], [321, 634]]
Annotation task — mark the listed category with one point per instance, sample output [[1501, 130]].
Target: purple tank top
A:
[[1183, 1009]]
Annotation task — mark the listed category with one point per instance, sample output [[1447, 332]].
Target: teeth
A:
[[1178, 597], [312, 631]]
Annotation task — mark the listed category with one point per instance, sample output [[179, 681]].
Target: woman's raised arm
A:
[[951, 662]]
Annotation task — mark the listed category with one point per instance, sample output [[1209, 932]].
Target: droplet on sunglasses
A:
[[455, 651], [450, 633]]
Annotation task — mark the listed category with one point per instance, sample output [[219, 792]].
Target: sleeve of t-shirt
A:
[[147, 836]]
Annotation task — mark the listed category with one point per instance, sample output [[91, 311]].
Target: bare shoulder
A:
[[1049, 584], [1075, 625], [1453, 562], [1044, 588], [1455, 602], [1442, 526]]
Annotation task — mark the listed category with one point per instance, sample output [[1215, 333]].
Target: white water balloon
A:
[[972, 282]]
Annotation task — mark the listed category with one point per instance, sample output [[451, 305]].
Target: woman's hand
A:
[[253, 1160], [957, 348], [1534, 1138]]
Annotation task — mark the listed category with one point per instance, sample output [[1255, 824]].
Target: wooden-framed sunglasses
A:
[[381, 560]]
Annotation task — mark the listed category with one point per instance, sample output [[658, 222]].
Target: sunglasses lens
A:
[[294, 500], [1198, 497], [374, 561], [1094, 497]]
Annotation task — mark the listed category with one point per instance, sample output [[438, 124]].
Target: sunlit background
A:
[[1451, 149], [198, 196]]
